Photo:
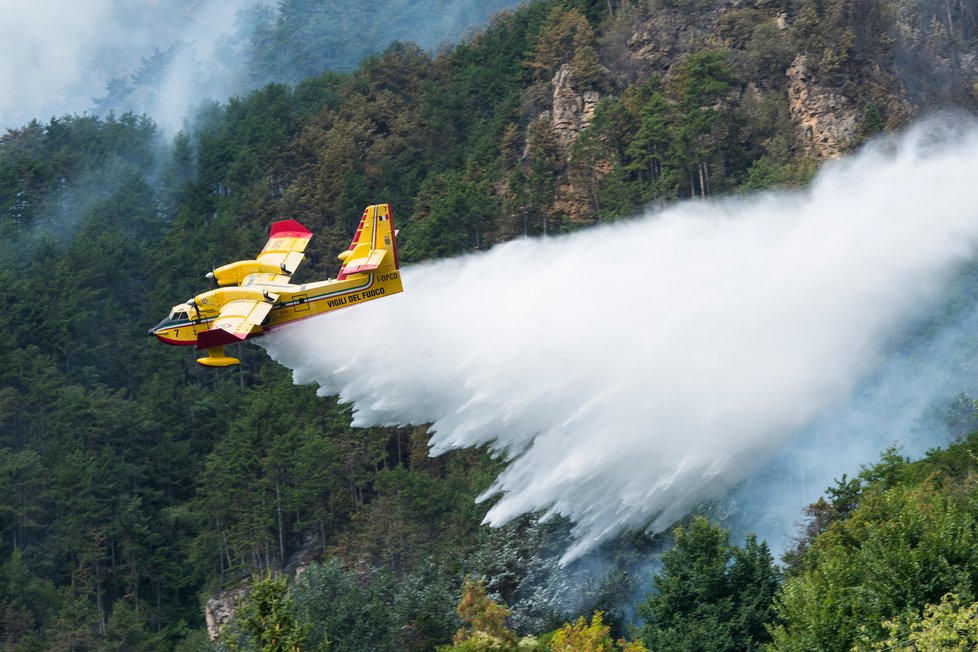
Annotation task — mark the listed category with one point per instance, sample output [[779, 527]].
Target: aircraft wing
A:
[[236, 321], [275, 264], [286, 242]]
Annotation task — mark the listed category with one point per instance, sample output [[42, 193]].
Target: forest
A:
[[135, 485]]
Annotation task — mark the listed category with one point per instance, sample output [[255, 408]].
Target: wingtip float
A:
[[254, 296]]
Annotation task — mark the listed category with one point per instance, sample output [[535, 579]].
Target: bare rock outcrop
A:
[[661, 36], [572, 109], [220, 609], [826, 119]]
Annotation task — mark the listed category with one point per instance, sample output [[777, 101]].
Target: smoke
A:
[[162, 58], [58, 56], [43, 61], [917, 397], [632, 371]]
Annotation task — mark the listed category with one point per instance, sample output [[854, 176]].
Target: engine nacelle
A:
[[213, 301], [234, 273]]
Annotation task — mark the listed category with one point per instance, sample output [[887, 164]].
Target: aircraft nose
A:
[[150, 332]]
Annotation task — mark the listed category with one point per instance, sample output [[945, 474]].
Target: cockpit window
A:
[[178, 316]]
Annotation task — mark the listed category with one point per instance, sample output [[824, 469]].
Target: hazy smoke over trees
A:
[[163, 58]]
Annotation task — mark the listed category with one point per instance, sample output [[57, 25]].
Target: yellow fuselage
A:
[[293, 302]]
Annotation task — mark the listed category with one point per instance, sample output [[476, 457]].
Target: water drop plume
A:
[[633, 370]]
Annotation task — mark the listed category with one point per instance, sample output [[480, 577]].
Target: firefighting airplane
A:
[[260, 297]]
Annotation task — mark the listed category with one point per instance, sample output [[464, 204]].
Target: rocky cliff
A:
[[826, 120], [220, 608], [842, 72]]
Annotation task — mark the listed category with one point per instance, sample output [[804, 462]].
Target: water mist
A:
[[633, 370]]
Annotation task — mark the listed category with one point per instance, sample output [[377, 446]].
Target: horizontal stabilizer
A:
[[367, 263]]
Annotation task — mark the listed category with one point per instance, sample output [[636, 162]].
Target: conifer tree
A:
[[710, 596]]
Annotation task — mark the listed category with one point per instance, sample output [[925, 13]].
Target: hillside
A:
[[135, 486]]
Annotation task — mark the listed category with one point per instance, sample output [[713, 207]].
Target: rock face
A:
[[572, 109], [827, 120], [572, 112], [662, 35], [220, 609]]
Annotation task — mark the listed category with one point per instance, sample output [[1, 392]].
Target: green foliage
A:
[[485, 628], [126, 630], [950, 625], [906, 543], [452, 215], [872, 121], [600, 145], [25, 600], [648, 150], [374, 610], [341, 608], [765, 174], [683, 138], [582, 636], [710, 595], [769, 52], [564, 39], [484, 620], [266, 621]]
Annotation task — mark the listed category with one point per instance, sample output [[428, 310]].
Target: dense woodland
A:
[[134, 484]]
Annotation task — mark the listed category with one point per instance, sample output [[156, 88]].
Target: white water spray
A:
[[633, 370]]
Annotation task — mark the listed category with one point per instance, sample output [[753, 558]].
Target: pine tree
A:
[[710, 596]]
